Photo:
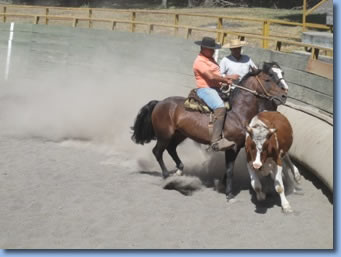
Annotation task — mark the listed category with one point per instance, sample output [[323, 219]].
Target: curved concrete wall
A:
[[313, 144], [40, 49]]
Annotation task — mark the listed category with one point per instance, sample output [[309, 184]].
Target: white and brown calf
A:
[[268, 139]]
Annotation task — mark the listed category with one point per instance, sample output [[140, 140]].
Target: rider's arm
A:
[[218, 78]]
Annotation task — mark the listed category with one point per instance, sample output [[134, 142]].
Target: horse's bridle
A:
[[266, 94], [265, 91], [254, 92]]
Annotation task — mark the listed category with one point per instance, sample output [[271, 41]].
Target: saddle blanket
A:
[[196, 104]]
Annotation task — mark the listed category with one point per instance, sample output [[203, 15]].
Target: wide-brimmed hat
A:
[[208, 42], [235, 43]]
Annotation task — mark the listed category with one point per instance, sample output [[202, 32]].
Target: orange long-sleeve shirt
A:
[[203, 64]]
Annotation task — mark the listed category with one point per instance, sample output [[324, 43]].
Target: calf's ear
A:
[[272, 130], [249, 131]]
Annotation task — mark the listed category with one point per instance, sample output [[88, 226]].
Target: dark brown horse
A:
[[169, 123]]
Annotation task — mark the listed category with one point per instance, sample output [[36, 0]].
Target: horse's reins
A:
[[267, 95]]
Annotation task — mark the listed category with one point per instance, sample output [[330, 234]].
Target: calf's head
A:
[[258, 145]]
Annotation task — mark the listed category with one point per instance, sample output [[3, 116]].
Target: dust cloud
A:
[[95, 110]]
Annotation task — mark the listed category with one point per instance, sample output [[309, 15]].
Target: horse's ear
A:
[[266, 66], [252, 69]]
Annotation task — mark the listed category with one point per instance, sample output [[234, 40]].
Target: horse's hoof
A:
[[230, 198], [178, 173], [165, 175], [260, 196]]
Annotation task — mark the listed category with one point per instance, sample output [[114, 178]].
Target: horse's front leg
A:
[[230, 157]]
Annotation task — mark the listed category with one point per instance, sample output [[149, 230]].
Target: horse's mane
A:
[[266, 69], [268, 65], [249, 74]]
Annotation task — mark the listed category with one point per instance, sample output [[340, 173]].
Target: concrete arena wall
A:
[[169, 61]]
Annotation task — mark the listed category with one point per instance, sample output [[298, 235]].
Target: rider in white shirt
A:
[[236, 63]]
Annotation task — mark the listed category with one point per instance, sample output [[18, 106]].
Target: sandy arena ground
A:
[[72, 178]]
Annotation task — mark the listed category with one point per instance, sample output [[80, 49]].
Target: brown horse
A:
[[169, 123]]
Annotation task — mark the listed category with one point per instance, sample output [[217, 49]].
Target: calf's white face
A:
[[259, 133]]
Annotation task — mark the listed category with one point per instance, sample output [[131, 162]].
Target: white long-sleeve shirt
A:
[[230, 65]]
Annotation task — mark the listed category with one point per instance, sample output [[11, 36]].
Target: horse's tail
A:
[[143, 131]]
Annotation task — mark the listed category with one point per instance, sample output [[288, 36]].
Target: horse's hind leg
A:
[[158, 152], [176, 140]]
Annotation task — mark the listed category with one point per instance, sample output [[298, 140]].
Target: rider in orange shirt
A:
[[208, 80]]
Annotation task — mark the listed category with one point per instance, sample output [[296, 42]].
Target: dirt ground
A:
[[106, 192], [71, 177]]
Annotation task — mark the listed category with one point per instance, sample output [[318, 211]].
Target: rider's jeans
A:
[[210, 97]]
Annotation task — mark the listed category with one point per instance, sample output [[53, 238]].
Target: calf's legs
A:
[[255, 183], [279, 187]]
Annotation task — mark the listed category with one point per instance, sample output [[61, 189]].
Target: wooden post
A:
[[90, 18], [266, 28], [189, 33], [133, 18], [113, 25], [221, 38], [278, 45], [219, 27], [75, 22], [36, 20], [151, 28], [176, 23], [5, 8], [304, 15], [315, 53], [224, 38], [46, 18]]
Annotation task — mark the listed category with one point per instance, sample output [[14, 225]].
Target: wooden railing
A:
[[310, 11], [87, 15]]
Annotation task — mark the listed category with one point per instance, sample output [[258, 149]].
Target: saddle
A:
[[195, 104]]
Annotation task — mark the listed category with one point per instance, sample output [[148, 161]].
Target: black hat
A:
[[208, 42]]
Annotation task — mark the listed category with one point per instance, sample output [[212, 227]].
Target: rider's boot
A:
[[219, 143]]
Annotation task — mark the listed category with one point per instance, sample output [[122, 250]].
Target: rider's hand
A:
[[228, 81], [233, 76]]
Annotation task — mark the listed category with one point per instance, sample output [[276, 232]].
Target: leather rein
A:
[[254, 92]]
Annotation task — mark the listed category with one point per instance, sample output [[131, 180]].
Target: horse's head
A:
[[277, 74], [270, 86]]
